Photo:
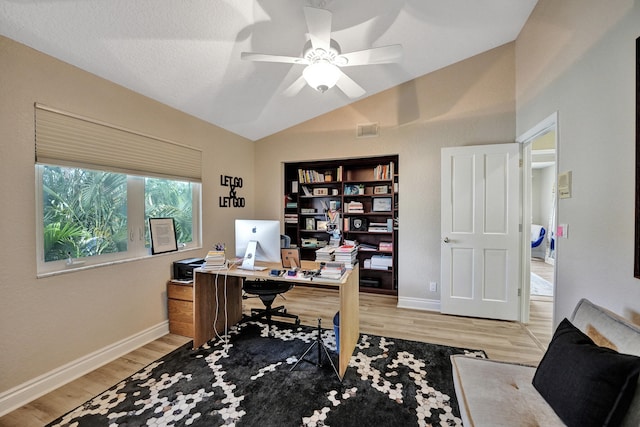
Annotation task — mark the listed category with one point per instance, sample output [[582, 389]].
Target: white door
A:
[[480, 211]]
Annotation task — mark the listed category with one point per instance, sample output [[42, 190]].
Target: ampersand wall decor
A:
[[232, 200]]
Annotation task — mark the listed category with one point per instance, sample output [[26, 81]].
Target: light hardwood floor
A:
[[541, 306], [509, 341]]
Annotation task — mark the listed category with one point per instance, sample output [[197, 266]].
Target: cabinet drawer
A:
[[180, 292], [180, 311], [179, 328]]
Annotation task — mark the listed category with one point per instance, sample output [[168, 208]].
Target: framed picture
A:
[[310, 224], [321, 225], [290, 257], [381, 204], [380, 189], [320, 191], [351, 189], [163, 235]]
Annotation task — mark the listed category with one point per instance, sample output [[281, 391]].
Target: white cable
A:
[[224, 338]]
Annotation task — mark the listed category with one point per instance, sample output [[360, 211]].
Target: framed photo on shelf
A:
[[163, 235], [350, 190], [381, 204], [321, 225], [310, 224], [380, 189]]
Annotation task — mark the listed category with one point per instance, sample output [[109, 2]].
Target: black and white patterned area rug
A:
[[248, 382]]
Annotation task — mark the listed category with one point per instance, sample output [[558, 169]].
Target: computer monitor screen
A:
[[267, 235]]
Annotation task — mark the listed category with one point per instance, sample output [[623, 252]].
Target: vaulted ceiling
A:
[[186, 54]]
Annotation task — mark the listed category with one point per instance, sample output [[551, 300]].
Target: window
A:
[[165, 198], [97, 184], [96, 217]]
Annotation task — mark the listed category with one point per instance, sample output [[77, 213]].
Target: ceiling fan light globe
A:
[[321, 76]]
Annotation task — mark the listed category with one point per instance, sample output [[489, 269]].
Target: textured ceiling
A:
[[186, 53]]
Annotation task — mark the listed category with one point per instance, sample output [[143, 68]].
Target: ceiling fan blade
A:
[[295, 87], [349, 87], [264, 57], [376, 55], [319, 25]]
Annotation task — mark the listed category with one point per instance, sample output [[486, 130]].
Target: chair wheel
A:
[[297, 322], [284, 311]]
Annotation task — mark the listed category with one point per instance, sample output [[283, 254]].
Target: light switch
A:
[[564, 185], [563, 230]]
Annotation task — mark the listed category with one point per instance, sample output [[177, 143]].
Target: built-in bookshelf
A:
[[357, 197]]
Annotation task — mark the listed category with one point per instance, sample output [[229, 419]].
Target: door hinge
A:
[[519, 292], [520, 228], [520, 162]]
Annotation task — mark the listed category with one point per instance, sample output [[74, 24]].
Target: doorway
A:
[[539, 217]]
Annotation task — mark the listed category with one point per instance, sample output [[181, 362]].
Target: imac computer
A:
[[257, 240]]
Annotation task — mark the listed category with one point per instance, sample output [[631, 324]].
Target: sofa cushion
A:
[[622, 335], [585, 384], [491, 393]]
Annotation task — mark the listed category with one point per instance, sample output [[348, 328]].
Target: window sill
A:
[[83, 267]]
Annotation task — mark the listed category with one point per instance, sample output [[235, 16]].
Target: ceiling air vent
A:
[[367, 130]]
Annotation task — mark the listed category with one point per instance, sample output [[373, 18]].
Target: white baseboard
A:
[[24, 393], [419, 304]]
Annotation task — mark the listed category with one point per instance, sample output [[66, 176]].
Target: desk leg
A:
[[205, 305], [349, 319]]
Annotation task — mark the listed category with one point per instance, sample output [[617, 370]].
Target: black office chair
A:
[[267, 291]]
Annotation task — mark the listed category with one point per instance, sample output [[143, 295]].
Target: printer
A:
[[183, 269]]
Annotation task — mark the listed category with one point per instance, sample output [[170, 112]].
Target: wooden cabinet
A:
[[359, 197], [180, 306]]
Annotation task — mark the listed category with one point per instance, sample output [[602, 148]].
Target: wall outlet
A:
[[433, 287]]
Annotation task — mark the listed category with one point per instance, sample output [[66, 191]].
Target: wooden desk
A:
[[209, 298]]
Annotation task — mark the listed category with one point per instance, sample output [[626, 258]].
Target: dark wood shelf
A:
[[362, 173]]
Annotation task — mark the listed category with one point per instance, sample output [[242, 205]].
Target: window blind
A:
[[70, 140]]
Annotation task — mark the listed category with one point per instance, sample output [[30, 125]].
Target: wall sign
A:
[[232, 200]]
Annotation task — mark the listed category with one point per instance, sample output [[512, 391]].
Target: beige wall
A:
[[573, 57], [471, 102], [46, 323], [577, 57]]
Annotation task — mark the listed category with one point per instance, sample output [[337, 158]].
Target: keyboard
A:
[[255, 268]]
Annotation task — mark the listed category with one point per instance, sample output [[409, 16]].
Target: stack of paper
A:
[[325, 254], [346, 254], [332, 270], [355, 207], [215, 260]]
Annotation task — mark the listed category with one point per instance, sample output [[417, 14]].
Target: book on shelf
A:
[[384, 172], [385, 247], [311, 176], [355, 207], [313, 242], [291, 218], [367, 247]]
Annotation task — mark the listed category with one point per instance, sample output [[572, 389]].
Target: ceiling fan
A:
[[323, 58]]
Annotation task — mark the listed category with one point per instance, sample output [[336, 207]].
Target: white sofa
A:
[[493, 393]]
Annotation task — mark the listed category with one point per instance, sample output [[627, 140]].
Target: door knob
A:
[[446, 240]]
